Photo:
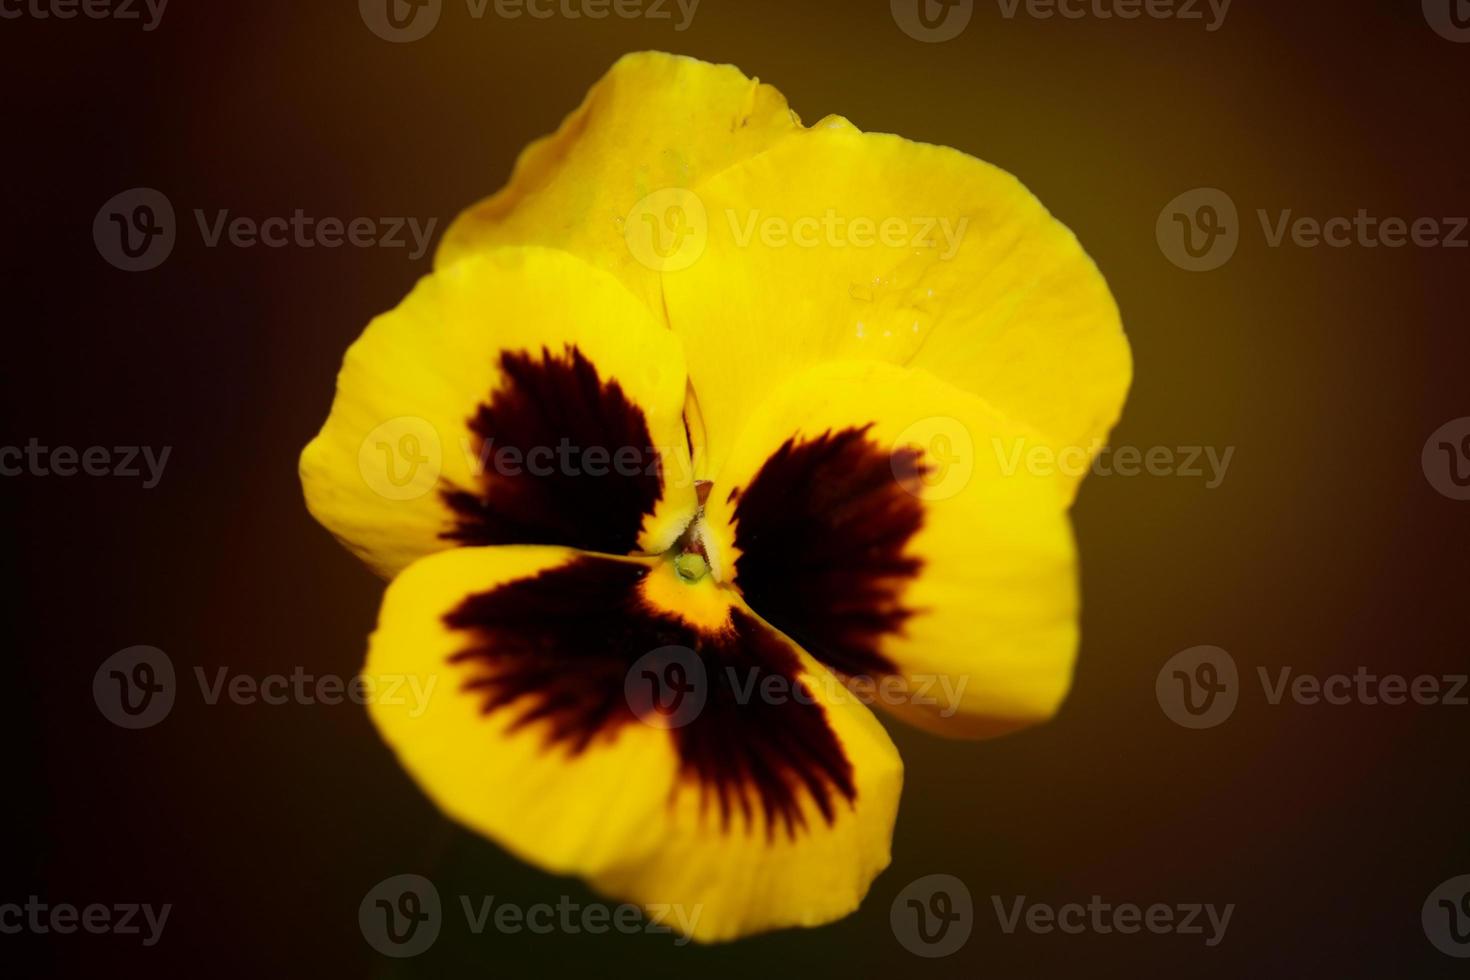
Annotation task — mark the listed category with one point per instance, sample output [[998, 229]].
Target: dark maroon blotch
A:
[[535, 437], [565, 640], [822, 531]]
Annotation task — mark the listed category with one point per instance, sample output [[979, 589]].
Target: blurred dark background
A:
[[1325, 548]]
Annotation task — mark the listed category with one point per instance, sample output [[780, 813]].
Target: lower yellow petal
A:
[[748, 811]]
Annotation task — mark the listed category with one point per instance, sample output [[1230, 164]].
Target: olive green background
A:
[[1325, 547]]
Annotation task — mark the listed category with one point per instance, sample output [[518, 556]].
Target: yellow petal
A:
[[521, 396], [888, 523], [839, 244], [740, 814], [655, 123]]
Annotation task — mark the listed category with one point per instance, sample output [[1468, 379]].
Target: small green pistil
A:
[[691, 566]]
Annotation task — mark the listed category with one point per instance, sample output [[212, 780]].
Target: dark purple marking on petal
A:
[[552, 421], [823, 530], [558, 646]]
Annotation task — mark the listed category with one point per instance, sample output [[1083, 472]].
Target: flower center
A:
[[691, 566]]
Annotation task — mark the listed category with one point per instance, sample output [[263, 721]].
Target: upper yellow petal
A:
[[654, 123], [838, 244]]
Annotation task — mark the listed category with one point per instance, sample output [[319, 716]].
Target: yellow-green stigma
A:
[[691, 566]]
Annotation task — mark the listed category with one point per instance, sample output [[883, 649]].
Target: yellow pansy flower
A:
[[707, 433]]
